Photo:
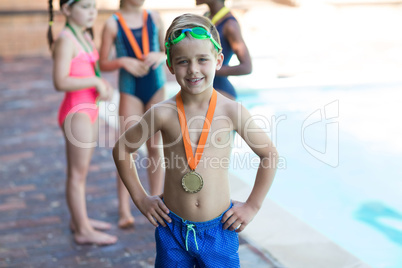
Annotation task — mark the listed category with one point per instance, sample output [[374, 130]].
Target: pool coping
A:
[[289, 241]]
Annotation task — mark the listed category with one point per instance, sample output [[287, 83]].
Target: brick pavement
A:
[[34, 217]]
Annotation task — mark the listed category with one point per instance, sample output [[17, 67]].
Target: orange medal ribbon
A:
[[193, 160], [145, 39], [192, 181]]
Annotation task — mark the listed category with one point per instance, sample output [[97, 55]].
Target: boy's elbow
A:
[[270, 158], [115, 151], [273, 153]]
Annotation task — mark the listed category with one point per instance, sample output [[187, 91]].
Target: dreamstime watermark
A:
[[253, 127], [235, 161], [330, 154]]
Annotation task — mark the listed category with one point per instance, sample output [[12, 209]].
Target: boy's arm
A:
[[151, 206], [241, 214]]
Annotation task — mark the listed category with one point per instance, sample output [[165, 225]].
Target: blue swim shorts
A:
[[203, 244]]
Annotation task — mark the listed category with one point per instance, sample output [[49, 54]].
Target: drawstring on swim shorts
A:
[[190, 227]]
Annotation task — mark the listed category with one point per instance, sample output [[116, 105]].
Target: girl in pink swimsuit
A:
[[83, 100], [75, 72]]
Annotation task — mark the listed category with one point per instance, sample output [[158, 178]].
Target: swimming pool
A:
[[339, 148]]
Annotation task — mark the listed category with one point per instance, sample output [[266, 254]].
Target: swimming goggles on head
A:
[[69, 2], [197, 33]]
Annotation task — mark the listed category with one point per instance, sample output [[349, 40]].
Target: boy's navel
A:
[[197, 204]]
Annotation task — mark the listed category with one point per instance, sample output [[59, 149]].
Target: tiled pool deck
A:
[[34, 217]]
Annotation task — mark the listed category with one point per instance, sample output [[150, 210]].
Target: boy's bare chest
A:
[[220, 134]]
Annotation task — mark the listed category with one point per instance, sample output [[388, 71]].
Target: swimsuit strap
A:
[[70, 35], [89, 39], [226, 19], [140, 54], [220, 14]]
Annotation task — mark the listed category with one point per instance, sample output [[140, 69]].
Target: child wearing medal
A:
[[232, 43], [137, 35], [76, 72], [196, 221]]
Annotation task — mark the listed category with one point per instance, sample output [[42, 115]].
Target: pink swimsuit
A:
[[83, 100]]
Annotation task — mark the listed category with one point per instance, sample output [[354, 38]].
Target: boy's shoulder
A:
[[165, 108], [233, 110], [229, 106]]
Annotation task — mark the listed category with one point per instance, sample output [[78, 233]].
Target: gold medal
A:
[[192, 182]]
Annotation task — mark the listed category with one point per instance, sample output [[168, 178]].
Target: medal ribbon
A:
[[86, 49], [220, 14], [133, 42], [191, 159]]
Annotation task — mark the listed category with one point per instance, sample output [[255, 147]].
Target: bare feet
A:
[[100, 225], [94, 237], [126, 222]]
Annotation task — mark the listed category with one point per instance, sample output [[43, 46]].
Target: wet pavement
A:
[[34, 218]]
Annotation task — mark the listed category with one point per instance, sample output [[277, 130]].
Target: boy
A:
[[199, 223]]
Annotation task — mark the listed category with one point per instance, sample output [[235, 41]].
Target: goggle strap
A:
[[204, 35]]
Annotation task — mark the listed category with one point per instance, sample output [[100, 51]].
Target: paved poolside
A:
[[34, 218]]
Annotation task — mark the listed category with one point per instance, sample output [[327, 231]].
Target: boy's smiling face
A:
[[194, 63]]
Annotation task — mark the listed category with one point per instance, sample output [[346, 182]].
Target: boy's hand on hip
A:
[[238, 217], [155, 210]]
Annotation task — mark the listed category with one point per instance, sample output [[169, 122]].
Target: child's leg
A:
[[97, 224], [79, 134], [126, 219], [130, 110], [155, 152]]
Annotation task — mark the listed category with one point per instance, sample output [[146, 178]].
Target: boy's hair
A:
[[50, 39], [188, 20]]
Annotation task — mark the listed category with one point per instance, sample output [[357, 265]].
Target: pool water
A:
[[340, 148]]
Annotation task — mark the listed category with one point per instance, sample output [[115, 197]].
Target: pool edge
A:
[[287, 239]]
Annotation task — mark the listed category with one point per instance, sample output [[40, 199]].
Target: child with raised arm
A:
[[197, 222], [137, 35], [232, 44], [75, 72]]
